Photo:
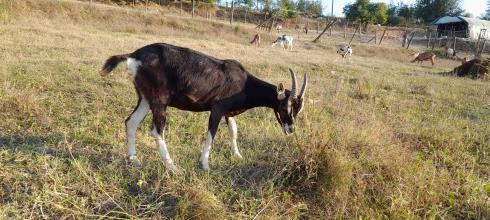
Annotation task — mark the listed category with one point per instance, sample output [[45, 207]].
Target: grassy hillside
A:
[[380, 137]]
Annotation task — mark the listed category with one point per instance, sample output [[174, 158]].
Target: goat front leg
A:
[[132, 123], [232, 128], [214, 119], [159, 120]]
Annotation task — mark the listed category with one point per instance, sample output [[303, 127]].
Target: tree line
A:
[[422, 12], [363, 11], [289, 8]]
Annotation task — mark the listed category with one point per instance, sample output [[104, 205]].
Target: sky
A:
[[475, 7]]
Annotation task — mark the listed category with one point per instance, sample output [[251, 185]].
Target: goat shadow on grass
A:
[[413, 73], [53, 145], [277, 163]]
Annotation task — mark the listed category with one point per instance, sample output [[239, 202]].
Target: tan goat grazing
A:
[[425, 56], [256, 40]]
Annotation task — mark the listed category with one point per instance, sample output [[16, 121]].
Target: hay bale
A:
[[475, 69]]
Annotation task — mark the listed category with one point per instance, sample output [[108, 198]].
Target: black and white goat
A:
[[344, 50], [170, 76], [284, 39]]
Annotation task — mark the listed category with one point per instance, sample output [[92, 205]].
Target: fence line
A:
[[302, 23]]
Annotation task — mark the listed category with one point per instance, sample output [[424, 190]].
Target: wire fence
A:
[[304, 24]]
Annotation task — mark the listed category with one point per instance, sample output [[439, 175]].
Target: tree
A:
[[365, 12], [486, 16], [266, 5], [379, 13], [287, 8], [314, 9], [301, 5], [393, 13], [247, 3], [428, 10], [358, 11], [406, 11], [392, 9]]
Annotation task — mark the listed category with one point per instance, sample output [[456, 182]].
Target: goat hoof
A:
[[204, 163], [134, 160], [205, 166], [169, 164], [174, 169]]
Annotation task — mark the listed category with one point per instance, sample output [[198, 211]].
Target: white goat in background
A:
[[450, 52], [282, 39], [344, 50]]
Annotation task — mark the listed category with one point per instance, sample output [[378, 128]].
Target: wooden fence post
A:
[[273, 24], [428, 41], [346, 25], [232, 11], [454, 40], [181, 7], [330, 32], [193, 4], [482, 47], [326, 28], [410, 41], [374, 37], [360, 32], [246, 12], [352, 38], [382, 36], [317, 26]]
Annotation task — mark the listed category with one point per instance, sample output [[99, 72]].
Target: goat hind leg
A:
[[158, 130], [132, 123]]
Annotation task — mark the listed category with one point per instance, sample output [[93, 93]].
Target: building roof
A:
[[455, 19]]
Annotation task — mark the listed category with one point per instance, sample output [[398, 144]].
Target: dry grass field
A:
[[380, 138]]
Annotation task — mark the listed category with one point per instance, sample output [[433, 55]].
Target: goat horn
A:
[[293, 89], [303, 88]]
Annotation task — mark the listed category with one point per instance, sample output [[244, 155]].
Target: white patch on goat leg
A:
[[287, 129], [205, 153], [133, 65], [232, 128], [132, 126], [162, 149]]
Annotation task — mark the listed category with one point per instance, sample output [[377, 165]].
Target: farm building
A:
[[464, 27]]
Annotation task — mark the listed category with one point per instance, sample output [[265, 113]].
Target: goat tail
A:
[[111, 63]]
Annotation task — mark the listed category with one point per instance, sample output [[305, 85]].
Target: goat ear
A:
[[280, 88], [281, 92]]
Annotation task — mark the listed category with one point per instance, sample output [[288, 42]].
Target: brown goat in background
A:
[[256, 40], [425, 56]]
